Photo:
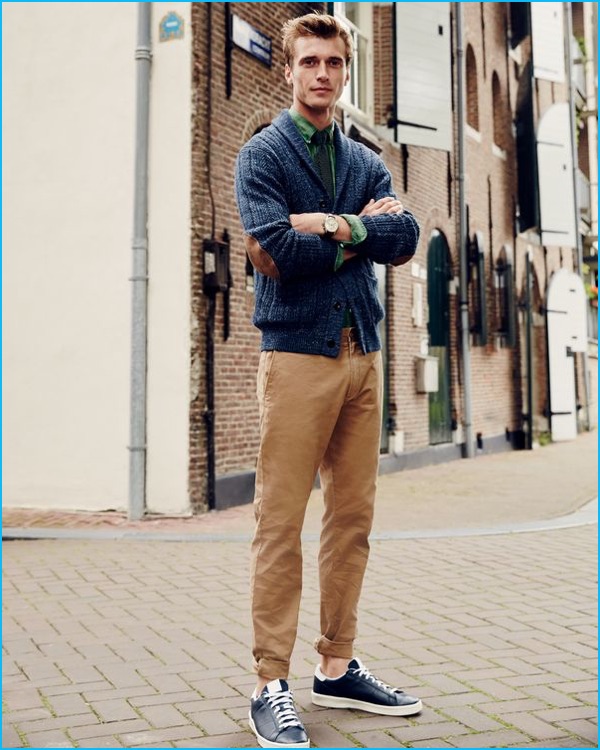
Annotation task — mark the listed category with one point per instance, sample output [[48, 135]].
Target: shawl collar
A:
[[284, 124]]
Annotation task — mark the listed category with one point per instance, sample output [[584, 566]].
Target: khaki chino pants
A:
[[316, 413]]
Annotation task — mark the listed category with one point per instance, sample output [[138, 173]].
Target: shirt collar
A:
[[306, 128]]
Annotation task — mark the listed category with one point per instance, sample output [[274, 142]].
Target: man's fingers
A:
[[385, 205]]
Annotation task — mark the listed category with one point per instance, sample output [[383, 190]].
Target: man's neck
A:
[[320, 118]]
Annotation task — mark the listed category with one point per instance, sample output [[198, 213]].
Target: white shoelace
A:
[[364, 672], [284, 709]]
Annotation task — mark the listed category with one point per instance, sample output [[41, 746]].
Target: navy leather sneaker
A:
[[273, 717], [359, 689]]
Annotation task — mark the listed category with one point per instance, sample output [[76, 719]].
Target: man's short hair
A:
[[314, 24]]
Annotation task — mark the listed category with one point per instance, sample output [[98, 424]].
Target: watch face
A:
[[331, 224]]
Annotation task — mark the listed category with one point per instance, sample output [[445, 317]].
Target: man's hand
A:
[[387, 205]]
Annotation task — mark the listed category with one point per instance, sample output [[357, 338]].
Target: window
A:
[[472, 100], [501, 122], [505, 298], [477, 291], [358, 93]]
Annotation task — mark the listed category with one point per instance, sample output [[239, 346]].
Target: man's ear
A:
[[288, 75], [347, 75]]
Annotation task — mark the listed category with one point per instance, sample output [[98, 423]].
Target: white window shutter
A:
[[555, 175], [548, 41], [423, 74]]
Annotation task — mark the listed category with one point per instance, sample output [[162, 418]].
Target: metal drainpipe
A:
[[574, 156], [529, 350], [139, 278], [462, 224]]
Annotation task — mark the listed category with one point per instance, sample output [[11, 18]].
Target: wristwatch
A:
[[330, 226]]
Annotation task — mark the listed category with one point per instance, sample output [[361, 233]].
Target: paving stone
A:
[[551, 696], [131, 739], [375, 739], [10, 737], [69, 705], [162, 716], [532, 725], [53, 738], [115, 709], [502, 738], [217, 722], [429, 731], [582, 728], [323, 735], [473, 719], [109, 729], [566, 714], [226, 740]]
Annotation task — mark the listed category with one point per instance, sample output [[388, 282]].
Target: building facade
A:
[[527, 90]]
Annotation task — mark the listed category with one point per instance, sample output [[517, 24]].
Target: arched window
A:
[[505, 297], [499, 111], [472, 100]]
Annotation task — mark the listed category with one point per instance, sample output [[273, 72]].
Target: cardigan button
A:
[[321, 204], [331, 343], [337, 306]]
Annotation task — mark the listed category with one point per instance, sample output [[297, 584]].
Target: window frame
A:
[[365, 32]]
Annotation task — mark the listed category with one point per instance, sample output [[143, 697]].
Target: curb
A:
[[586, 515]]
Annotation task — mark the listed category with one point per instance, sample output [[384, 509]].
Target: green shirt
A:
[[357, 228]]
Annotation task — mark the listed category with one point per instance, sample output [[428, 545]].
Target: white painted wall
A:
[[169, 293], [68, 150]]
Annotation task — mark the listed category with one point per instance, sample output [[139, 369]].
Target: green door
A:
[[438, 275]]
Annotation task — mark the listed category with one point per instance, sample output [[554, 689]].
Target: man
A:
[[317, 209]]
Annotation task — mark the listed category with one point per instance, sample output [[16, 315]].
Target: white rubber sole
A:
[[332, 701], [266, 743]]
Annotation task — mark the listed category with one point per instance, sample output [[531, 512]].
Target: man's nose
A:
[[322, 70]]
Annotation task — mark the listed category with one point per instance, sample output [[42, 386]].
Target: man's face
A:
[[318, 73]]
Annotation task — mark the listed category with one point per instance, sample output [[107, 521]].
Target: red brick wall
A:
[[258, 94]]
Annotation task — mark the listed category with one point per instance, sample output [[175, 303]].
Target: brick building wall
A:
[[490, 189], [424, 179]]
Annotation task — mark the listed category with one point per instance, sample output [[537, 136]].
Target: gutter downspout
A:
[[139, 278], [462, 232], [574, 157]]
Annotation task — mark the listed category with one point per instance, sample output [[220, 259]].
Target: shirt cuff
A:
[[359, 234], [357, 228]]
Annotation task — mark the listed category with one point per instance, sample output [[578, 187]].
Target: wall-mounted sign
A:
[[171, 27], [251, 40]]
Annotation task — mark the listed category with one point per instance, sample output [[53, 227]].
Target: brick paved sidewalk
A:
[[146, 643]]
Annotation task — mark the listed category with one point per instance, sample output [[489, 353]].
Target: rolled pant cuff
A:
[[271, 669], [339, 649]]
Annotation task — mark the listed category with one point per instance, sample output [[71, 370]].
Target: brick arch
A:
[[259, 118], [472, 96]]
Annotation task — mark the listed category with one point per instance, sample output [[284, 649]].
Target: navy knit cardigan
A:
[[302, 310]]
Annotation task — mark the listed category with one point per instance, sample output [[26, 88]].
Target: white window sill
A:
[[472, 133], [358, 115], [499, 152]]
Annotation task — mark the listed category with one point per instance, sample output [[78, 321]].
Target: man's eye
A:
[[310, 63], [335, 63]]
